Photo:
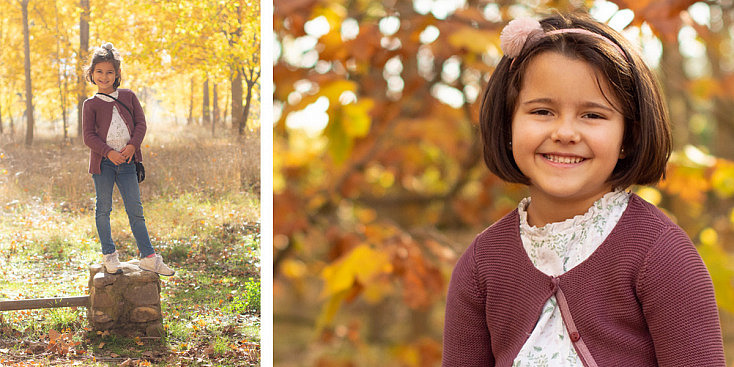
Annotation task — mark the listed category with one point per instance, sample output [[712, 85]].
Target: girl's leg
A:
[[127, 183], [103, 185]]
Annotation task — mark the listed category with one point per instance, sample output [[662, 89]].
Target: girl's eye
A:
[[592, 115], [540, 112]]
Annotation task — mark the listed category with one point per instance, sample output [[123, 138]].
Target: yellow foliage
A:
[[709, 237], [689, 183], [360, 267], [365, 215], [329, 310], [474, 40], [333, 12], [362, 264], [303, 149], [376, 291], [705, 88], [720, 265], [722, 179], [294, 269], [356, 119], [650, 194], [334, 90], [408, 355]]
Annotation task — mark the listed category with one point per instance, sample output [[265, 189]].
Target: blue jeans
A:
[[126, 179]]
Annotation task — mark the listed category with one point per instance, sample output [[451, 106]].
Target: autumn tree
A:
[[164, 45], [243, 40]]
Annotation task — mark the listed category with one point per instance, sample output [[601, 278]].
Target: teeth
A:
[[560, 159]]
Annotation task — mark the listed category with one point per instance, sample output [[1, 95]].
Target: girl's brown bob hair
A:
[[104, 53], [647, 142]]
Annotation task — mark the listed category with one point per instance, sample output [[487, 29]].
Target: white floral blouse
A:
[[555, 249], [118, 135]]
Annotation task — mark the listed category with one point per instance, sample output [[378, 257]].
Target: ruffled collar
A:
[[108, 99], [608, 203]]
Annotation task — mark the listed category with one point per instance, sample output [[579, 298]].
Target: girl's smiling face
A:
[[104, 76], [566, 135]]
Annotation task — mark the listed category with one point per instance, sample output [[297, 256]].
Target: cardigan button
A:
[[575, 336]]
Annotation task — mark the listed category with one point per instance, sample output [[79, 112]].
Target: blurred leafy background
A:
[[378, 181]]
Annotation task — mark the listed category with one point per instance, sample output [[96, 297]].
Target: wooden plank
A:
[[28, 304]]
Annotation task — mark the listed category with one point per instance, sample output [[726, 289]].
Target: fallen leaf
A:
[[101, 345], [53, 335]]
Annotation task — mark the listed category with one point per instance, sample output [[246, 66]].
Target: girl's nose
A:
[[565, 131]]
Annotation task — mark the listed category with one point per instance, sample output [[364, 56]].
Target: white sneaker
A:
[[155, 264], [112, 263]]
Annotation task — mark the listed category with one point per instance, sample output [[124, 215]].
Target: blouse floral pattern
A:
[[118, 135], [555, 249]]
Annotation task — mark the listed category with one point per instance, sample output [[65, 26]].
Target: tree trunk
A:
[[27, 67], [61, 78], [226, 110], [674, 84], [246, 112], [205, 117], [191, 105], [251, 77], [63, 92], [215, 107], [236, 99], [12, 122], [83, 50]]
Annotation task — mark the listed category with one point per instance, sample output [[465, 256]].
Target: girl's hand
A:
[[128, 152], [115, 157]]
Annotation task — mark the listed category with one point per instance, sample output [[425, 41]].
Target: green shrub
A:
[[250, 300]]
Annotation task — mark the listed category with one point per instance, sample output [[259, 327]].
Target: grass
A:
[[202, 208]]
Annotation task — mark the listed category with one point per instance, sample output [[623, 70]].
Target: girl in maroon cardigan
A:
[[582, 273], [114, 126]]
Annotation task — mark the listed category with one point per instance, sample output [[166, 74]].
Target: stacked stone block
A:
[[126, 304]]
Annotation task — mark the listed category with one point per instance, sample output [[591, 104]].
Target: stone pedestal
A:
[[127, 304]]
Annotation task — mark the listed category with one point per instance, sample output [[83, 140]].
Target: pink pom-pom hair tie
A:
[[523, 31], [516, 34]]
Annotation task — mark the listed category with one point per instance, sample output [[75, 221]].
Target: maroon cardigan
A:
[[643, 298], [96, 119]]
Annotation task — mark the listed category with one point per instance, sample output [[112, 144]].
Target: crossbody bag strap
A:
[[120, 102]]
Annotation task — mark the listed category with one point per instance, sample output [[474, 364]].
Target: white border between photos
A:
[[266, 182]]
